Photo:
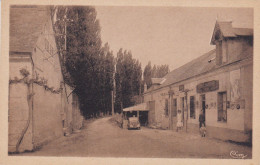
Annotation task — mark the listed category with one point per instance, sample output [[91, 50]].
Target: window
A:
[[222, 106], [192, 107], [166, 109], [174, 107], [224, 52], [219, 52]]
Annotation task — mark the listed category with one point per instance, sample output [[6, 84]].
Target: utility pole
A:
[[186, 109], [113, 91], [112, 99], [65, 31]]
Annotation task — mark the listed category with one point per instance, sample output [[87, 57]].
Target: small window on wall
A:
[[222, 106], [166, 109], [192, 107]]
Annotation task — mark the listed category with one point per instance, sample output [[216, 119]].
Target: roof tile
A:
[[193, 68], [26, 24]]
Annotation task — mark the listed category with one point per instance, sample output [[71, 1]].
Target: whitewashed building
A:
[[220, 83], [40, 108]]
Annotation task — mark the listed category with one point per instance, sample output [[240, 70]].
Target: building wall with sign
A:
[[234, 79], [218, 83]]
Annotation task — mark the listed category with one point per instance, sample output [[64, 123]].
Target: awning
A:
[[138, 107]]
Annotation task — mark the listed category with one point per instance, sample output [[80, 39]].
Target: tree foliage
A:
[[89, 65], [91, 68], [128, 79]]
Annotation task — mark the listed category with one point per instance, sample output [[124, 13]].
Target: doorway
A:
[[222, 106], [143, 118], [173, 113], [151, 113], [182, 108], [203, 104]]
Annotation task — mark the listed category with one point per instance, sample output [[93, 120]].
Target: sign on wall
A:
[[235, 85], [208, 86]]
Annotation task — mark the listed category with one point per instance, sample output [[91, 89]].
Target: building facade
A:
[[38, 96], [218, 84]]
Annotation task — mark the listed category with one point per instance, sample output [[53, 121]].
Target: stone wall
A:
[[19, 117], [47, 120], [48, 109], [33, 110]]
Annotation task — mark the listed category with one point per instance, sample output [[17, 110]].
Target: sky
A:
[[165, 35]]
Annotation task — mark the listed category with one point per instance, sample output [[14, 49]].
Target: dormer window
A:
[[224, 51], [229, 41], [221, 52]]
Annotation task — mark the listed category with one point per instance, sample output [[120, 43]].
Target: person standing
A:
[[179, 120]]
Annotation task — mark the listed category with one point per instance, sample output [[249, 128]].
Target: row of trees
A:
[[128, 79], [92, 68]]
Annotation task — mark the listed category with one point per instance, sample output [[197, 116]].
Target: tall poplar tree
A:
[[128, 79]]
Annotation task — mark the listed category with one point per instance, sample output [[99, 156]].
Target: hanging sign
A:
[[208, 86]]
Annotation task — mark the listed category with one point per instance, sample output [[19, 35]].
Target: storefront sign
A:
[[208, 86], [164, 94]]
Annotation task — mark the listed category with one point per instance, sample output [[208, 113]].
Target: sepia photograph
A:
[[130, 81]]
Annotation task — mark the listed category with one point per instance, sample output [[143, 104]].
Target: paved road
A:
[[102, 138]]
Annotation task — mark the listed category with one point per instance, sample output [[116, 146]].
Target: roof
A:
[[203, 63], [138, 107], [26, 24], [157, 80], [243, 31], [200, 65], [195, 67], [227, 30]]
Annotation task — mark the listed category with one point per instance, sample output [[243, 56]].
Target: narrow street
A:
[[102, 138]]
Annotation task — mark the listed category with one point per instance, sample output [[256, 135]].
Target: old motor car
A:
[[133, 123]]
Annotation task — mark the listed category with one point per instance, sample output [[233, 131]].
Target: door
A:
[[182, 108], [222, 106], [203, 105], [151, 113], [174, 113]]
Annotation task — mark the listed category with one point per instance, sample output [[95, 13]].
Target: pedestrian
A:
[[203, 130], [202, 119], [179, 120]]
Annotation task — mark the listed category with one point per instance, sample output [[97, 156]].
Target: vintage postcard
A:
[[129, 82]]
